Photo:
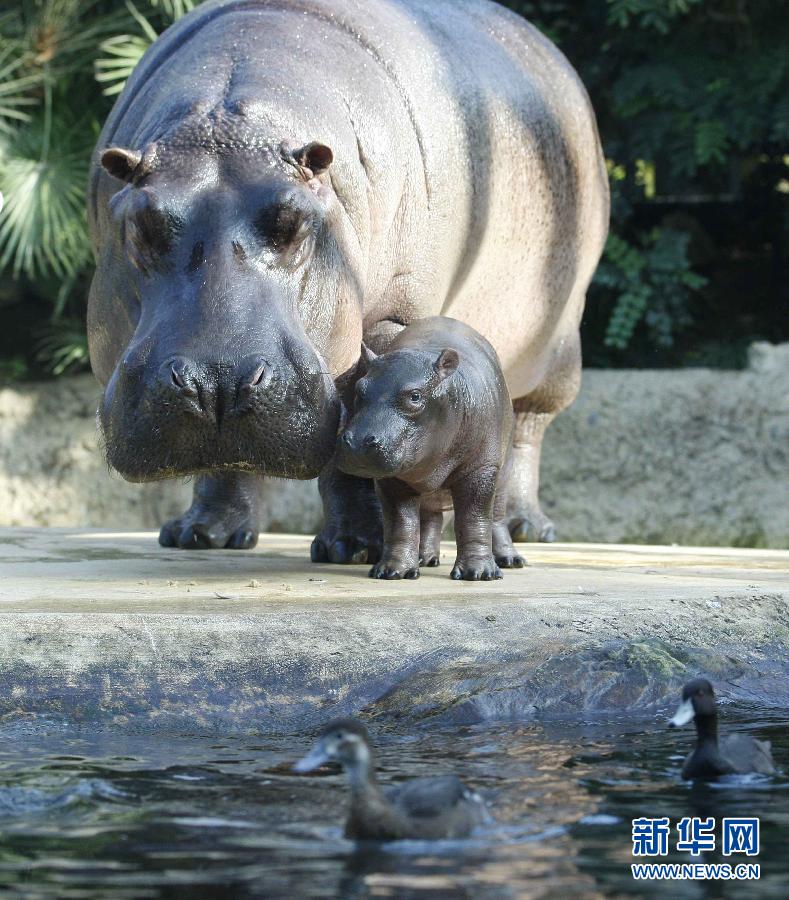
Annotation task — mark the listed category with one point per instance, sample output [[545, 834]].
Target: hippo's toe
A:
[[201, 536], [510, 561], [344, 549], [526, 528], [392, 569], [475, 569]]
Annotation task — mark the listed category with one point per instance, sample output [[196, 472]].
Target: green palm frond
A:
[[16, 87], [63, 346], [122, 53], [174, 9], [62, 35], [43, 174]]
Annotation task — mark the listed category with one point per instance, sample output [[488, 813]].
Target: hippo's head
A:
[[402, 417], [222, 306]]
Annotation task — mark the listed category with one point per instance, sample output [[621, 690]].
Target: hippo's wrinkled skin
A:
[[432, 424], [281, 179]]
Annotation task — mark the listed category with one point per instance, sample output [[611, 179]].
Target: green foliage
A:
[[692, 98], [692, 101], [54, 56], [652, 282]]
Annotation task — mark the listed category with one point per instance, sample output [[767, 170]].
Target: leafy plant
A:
[[52, 54], [692, 100], [652, 282]]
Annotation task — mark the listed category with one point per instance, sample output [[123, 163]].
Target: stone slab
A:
[[109, 627]]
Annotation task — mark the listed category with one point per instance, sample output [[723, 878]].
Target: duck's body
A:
[[736, 754], [422, 809]]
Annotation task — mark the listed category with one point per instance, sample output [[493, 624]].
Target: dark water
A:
[[91, 813]]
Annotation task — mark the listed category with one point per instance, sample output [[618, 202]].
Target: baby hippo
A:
[[432, 424]]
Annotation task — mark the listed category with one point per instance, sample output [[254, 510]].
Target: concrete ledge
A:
[[109, 627]]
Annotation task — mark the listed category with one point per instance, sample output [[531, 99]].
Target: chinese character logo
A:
[[696, 835], [741, 836], [650, 837]]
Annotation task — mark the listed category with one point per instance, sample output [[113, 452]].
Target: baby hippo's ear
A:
[[366, 357], [446, 363]]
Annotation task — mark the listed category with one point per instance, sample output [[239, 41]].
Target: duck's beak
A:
[[316, 758], [683, 715]]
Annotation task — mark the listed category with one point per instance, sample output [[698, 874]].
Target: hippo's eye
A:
[[415, 396], [282, 225]]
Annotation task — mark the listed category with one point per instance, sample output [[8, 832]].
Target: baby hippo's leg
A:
[[400, 507], [503, 549], [473, 497], [431, 524]]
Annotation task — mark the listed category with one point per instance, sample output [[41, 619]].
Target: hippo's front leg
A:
[[400, 506], [352, 531], [473, 498], [223, 514]]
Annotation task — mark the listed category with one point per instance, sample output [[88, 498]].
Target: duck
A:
[[737, 754], [431, 808]]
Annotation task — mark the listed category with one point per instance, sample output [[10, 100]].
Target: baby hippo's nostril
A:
[[257, 376], [347, 438], [371, 441]]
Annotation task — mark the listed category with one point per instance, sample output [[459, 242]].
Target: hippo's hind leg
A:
[[223, 514], [431, 524], [504, 552], [352, 531], [473, 496], [533, 414]]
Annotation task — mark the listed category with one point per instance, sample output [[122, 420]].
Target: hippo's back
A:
[[466, 152]]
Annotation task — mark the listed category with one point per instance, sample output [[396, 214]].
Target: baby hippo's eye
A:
[[411, 401]]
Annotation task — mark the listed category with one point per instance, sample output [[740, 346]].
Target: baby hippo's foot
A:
[[430, 552], [503, 549], [475, 568], [395, 567]]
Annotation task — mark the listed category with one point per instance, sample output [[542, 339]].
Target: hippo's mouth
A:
[[289, 434]]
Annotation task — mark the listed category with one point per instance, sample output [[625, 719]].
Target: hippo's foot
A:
[[505, 554], [394, 568], [223, 514], [431, 560], [337, 545], [527, 526], [353, 532], [475, 568]]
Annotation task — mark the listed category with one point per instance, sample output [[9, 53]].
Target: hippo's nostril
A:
[[257, 376], [182, 379], [347, 438], [371, 441]]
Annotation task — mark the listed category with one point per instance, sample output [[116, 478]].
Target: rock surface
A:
[[108, 627], [696, 456]]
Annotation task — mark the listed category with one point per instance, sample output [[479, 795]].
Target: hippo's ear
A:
[[365, 358], [314, 156], [121, 163], [448, 360]]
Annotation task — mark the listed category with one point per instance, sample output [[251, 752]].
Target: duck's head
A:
[[698, 701], [343, 741]]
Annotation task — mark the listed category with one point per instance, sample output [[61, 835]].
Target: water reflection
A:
[[102, 813]]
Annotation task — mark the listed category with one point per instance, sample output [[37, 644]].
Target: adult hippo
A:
[[281, 179]]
